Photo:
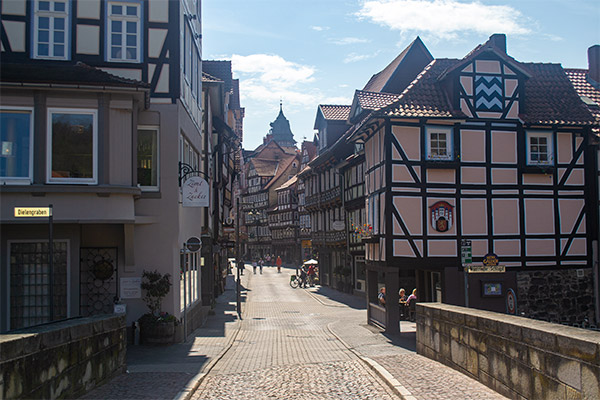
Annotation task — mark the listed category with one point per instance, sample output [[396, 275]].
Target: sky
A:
[[310, 52]]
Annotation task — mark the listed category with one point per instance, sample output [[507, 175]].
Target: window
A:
[[30, 283], [147, 158], [50, 29], [72, 146], [16, 139], [439, 143], [540, 148], [124, 32]]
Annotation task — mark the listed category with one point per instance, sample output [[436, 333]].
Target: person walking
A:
[[311, 275], [278, 262], [254, 264], [260, 264]]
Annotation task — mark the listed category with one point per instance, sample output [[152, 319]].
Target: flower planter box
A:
[[159, 333]]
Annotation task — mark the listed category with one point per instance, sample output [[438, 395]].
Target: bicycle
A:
[[295, 281]]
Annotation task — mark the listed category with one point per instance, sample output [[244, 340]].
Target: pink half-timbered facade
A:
[[495, 152]]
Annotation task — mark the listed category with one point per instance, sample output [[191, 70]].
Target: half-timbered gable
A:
[[133, 39], [486, 150]]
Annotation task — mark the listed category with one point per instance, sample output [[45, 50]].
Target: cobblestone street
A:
[[314, 344], [291, 344], [285, 350]]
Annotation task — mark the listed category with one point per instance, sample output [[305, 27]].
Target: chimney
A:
[[594, 63], [498, 40]]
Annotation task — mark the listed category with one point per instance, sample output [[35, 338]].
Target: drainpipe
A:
[[595, 277]]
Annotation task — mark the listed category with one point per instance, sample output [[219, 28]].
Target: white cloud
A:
[[267, 78], [319, 28], [443, 18], [348, 40], [354, 57]]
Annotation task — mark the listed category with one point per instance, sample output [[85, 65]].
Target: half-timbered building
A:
[[158, 44], [488, 156], [587, 84]]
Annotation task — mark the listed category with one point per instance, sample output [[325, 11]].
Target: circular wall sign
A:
[[193, 244], [511, 302]]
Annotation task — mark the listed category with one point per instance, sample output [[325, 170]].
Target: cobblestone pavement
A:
[[292, 344], [284, 350]]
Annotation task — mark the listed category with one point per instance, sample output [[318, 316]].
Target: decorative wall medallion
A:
[[441, 216]]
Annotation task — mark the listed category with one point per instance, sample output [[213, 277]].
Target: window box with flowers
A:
[[365, 233]]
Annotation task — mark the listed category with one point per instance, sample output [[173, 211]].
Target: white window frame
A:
[[429, 130], [550, 147], [75, 181], [37, 13], [124, 18], [157, 130], [29, 179]]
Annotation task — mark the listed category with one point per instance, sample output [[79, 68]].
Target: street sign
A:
[[486, 269], [33, 211], [466, 252], [193, 244], [511, 302]]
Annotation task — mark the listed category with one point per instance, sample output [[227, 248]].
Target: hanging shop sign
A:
[[441, 216], [195, 192], [338, 225]]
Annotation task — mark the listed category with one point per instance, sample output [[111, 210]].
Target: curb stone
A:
[[187, 392], [383, 373]]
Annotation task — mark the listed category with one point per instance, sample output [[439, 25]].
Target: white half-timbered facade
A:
[[154, 45]]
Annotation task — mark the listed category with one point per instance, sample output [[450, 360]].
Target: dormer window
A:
[[439, 143]]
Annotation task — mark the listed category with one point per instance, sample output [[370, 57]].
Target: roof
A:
[[588, 91], [281, 169], [425, 97], [549, 96], [583, 85], [264, 167], [209, 78], [71, 74], [495, 45], [219, 69], [288, 183], [383, 80], [335, 112], [374, 100]]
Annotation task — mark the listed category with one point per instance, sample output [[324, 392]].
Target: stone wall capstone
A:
[[518, 357]]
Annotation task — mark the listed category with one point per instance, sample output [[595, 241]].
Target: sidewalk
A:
[[171, 372], [394, 358]]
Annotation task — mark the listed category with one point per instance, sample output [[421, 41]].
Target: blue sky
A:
[[311, 52]]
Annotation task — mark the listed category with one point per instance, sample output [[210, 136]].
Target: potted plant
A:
[[156, 326]]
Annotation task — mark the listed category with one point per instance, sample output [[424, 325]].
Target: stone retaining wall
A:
[[518, 357], [63, 359]]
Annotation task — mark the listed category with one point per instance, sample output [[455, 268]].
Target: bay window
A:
[[72, 146], [16, 139]]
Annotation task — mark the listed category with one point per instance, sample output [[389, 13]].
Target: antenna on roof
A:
[[280, 104]]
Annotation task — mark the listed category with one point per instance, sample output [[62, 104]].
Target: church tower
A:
[[280, 130]]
